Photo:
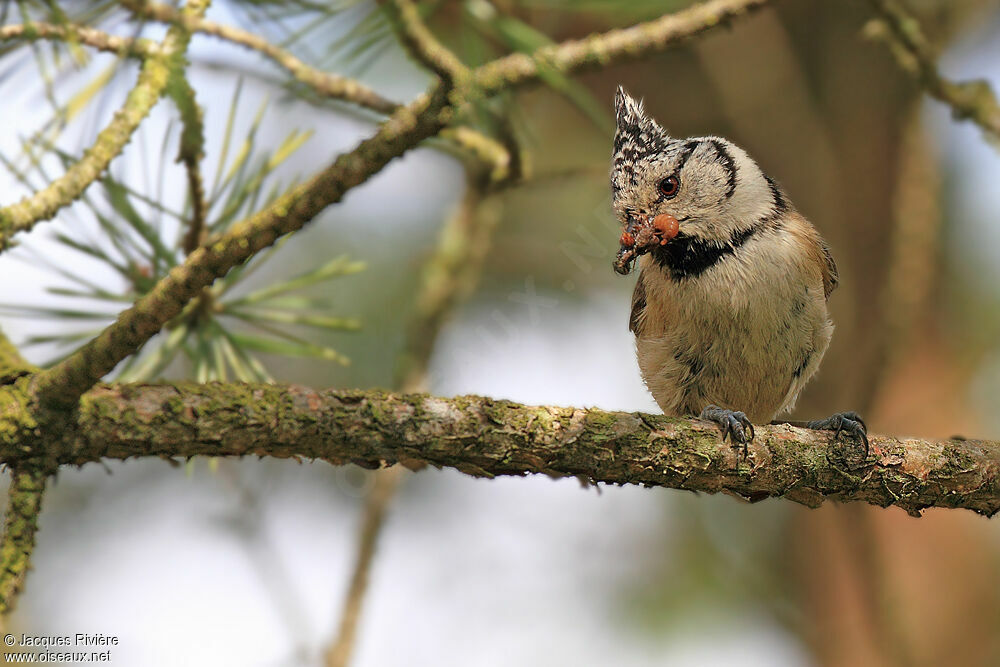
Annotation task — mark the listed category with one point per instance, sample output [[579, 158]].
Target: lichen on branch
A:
[[60, 386], [24, 504], [972, 100], [152, 80], [484, 437], [422, 45]]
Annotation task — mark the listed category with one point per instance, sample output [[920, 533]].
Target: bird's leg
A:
[[733, 424], [841, 422]]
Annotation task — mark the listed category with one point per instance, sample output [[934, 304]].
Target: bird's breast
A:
[[733, 336]]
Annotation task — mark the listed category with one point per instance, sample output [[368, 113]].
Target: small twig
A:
[[70, 32], [24, 504], [972, 100], [190, 154], [448, 277], [376, 505], [423, 46], [61, 385], [324, 83], [153, 76], [485, 151]]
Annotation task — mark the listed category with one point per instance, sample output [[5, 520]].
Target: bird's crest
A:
[[637, 138]]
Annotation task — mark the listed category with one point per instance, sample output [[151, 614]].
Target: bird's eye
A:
[[669, 186]]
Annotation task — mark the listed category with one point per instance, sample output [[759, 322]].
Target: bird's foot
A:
[[734, 425], [844, 422]]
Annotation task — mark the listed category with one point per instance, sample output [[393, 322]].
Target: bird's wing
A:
[[829, 269]]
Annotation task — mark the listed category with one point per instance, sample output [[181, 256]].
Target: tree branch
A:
[[24, 504], [324, 83], [152, 80], [190, 154], [613, 46], [60, 386], [376, 505], [484, 437], [972, 100], [422, 45], [70, 32]]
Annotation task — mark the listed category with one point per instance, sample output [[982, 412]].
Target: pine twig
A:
[[376, 506], [324, 83], [190, 154], [971, 100], [448, 278], [423, 46], [152, 81], [61, 385]]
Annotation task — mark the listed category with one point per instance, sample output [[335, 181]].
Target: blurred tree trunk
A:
[[872, 581]]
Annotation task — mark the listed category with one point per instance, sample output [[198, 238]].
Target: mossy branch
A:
[[325, 84], [422, 45], [24, 504], [152, 81], [60, 386], [190, 154], [972, 100], [484, 437]]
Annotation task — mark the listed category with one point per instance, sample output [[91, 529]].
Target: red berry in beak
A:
[[667, 226]]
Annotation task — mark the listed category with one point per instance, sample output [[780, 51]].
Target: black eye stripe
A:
[[728, 164], [689, 148]]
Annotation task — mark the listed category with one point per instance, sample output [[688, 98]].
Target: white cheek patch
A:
[[752, 198]]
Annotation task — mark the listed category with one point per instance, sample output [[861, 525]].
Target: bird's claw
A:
[[735, 426], [850, 423]]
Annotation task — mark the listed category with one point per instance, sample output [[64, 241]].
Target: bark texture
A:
[[484, 437]]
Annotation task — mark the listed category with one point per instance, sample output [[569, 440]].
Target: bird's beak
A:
[[641, 235]]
